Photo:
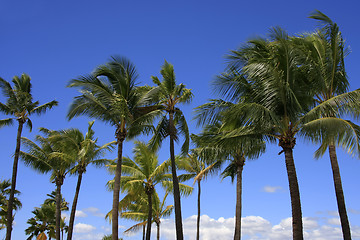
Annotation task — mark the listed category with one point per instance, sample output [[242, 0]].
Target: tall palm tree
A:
[[325, 51], [111, 94], [20, 106], [167, 95], [49, 156], [143, 174], [4, 199], [85, 151], [272, 96], [197, 168]]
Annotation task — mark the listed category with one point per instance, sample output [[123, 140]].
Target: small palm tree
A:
[[196, 168], [111, 95], [20, 106], [236, 151], [142, 175], [167, 95], [4, 199], [44, 219], [49, 156], [134, 211], [85, 151]]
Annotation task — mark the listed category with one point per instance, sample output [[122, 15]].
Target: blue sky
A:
[[55, 42]]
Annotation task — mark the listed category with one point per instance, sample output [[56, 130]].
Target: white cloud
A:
[[353, 211], [272, 189], [94, 211], [79, 213], [89, 236], [83, 228], [334, 221], [254, 227], [333, 213]]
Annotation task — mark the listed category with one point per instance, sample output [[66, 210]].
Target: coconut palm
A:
[[64, 205], [167, 95], [139, 208], [143, 174], [272, 97], [49, 156], [4, 196], [44, 219], [85, 151], [236, 151], [197, 168], [325, 51], [20, 106], [111, 95]]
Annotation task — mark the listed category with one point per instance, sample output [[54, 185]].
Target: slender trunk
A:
[[115, 206], [148, 229], [178, 218], [294, 195], [240, 168], [58, 208], [198, 216], [9, 220], [339, 193], [144, 231], [73, 208], [158, 231]]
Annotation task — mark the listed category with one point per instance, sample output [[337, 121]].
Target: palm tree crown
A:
[[111, 95]]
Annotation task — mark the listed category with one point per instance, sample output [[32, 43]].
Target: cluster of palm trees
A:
[[273, 90]]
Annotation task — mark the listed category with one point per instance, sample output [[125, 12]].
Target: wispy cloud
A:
[[94, 211], [272, 189]]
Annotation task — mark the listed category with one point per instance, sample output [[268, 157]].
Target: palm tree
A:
[[4, 196], [272, 96], [197, 168], [20, 106], [49, 156], [167, 95], [44, 219], [159, 211], [85, 152], [143, 174], [325, 51], [111, 95], [236, 150]]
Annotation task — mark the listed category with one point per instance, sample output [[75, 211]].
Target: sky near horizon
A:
[[56, 41]]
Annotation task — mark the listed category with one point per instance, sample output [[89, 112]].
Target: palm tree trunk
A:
[[294, 195], [58, 208], [144, 231], [198, 216], [178, 218], [73, 208], [339, 193], [148, 229], [237, 235], [158, 231], [9, 216], [116, 195]]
